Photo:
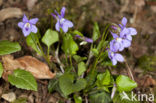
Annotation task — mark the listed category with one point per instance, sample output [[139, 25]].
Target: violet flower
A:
[[126, 32], [118, 43], [61, 21], [89, 40], [115, 57], [28, 26]]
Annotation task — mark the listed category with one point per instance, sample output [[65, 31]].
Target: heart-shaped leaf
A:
[[104, 79], [50, 37], [124, 83], [67, 85], [23, 79], [81, 68], [1, 69], [69, 45], [32, 40], [7, 47]]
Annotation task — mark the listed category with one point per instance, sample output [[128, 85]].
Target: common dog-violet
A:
[[28, 26], [89, 40], [115, 57], [122, 39], [61, 21]]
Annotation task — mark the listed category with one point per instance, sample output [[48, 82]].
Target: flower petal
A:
[[26, 32], [57, 26], [34, 29], [119, 57], [21, 25], [114, 35], [63, 11], [124, 32], [129, 37], [114, 61], [68, 23], [124, 21], [88, 40], [25, 19], [53, 15], [65, 28], [132, 31], [33, 21], [126, 43]]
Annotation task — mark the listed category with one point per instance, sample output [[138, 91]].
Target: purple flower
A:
[[84, 38], [115, 57], [28, 26], [118, 43], [126, 32], [61, 21]]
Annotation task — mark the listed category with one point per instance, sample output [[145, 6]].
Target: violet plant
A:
[[78, 77]]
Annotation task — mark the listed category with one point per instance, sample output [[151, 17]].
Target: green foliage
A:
[[50, 37], [78, 58], [69, 46], [67, 85], [104, 79], [52, 85], [95, 52], [1, 69], [76, 32], [7, 47], [32, 40], [118, 98], [91, 78], [99, 97], [124, 83], [20, 100], [77, 99], [23, 79], [96, 32], [81, 68]]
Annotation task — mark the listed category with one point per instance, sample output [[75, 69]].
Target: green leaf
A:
[[76, 32], [96, 32], [20, 100], [77, 99], [104, 79], [32, 40], [124, 83], [7, 47], [78, 58], [67, 85], [95, 51], [81, 68], [52, 85], [100, 97], [50, 37], [118, 98], [23, 79], [1, 69], [69, 46]]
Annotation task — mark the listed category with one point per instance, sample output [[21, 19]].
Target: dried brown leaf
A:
[[39, 69], [10, 13]]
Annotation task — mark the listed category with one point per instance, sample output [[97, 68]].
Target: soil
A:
[[141, 14]]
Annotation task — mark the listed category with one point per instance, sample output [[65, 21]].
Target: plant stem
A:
[[71, 60], [58, 60], [129, 71]]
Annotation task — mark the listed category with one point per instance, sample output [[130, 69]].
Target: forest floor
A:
[[141, 14]]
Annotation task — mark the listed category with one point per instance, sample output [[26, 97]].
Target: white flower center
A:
[[62, 20], [27, 25], [112, 54], [118, 39]]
